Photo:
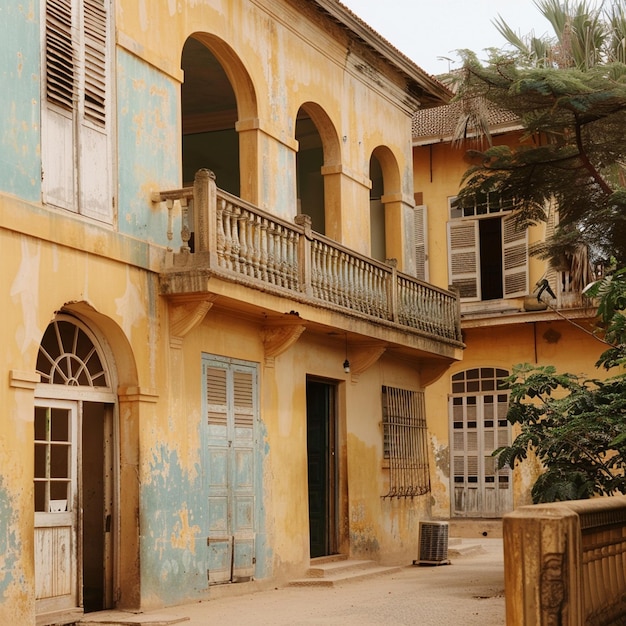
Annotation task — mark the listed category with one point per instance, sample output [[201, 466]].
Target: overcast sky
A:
[[425, 30]]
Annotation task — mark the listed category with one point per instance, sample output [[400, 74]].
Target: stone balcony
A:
[[229, 244]]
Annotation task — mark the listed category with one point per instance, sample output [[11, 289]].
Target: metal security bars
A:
[[405, 442]]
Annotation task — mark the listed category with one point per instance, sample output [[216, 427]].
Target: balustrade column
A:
[[205, 214], [305, 254], [393, 292]]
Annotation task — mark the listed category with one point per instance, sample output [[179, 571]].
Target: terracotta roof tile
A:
[[440, 122]]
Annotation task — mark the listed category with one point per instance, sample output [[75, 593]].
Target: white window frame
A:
[[77, 107], [464, 253]]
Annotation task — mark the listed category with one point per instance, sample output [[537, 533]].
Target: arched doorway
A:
[[309, 163], [75, 471]]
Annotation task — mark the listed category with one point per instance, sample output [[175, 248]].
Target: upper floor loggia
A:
[[275, 221]]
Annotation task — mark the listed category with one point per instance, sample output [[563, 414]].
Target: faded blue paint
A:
[[171, 573], [172, 569], [149, 146], [10, 548], [20, 161]]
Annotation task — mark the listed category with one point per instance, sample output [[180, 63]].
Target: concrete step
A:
[[458, 547], [123, 618], [338, 571]]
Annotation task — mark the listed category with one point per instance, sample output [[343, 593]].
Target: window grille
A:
[[405, 442]]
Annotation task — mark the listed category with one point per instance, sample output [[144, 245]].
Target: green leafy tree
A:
[[569, 95], [575, 427]]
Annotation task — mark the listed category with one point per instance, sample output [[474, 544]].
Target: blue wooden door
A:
[[231, 414]]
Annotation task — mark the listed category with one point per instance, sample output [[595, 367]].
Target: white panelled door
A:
[[478, 426], [56, 506]]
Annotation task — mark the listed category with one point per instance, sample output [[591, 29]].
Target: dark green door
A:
[[321, 437]]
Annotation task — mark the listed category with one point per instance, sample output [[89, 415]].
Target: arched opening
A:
[[209, 112], [377, 212], [318, 152], [309, 162], [75, 472], [385, 191]]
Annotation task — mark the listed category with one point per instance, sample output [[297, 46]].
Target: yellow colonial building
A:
[[515, 309], [216, 343]]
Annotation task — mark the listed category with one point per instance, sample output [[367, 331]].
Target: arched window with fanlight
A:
[[68, 356]]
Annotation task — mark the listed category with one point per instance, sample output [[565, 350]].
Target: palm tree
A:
[[583, 35]]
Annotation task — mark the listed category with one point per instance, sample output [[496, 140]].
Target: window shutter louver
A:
[[463, 259], [60, 58], [421, 242], [94, 160], [217, 398], [514, 258], [95, 61], [243, 400], [58, 162]]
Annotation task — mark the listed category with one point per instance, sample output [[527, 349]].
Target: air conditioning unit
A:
[[433, 544]]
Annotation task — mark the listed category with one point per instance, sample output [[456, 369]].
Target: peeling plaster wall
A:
[[149, 146], [20, 159], [37, 278]]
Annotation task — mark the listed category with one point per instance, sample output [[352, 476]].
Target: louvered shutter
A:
[[94, 161], [463, 258], [421, 242], [231, 411], [75, 121], [514, 258], [219, 539], [243, 474], [58, 183]]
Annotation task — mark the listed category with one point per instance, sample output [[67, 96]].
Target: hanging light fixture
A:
[[346, 363]]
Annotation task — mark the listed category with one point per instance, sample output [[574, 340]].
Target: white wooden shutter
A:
[[58, 185], [94, 161], [421, 242], [464, 259], [514, 258], [76, 156]]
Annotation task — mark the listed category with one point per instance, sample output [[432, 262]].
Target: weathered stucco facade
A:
[[173, 357]]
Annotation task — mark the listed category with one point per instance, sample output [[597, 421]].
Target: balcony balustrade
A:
[[227, 237]]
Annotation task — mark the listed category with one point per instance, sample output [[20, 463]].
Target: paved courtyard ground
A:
[[468, 592]]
